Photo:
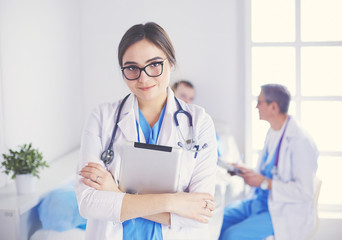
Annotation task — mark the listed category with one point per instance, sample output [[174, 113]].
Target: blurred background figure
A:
[[281, 201], [184, 90]]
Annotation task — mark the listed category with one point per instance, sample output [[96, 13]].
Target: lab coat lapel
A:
[[127, 123], [168, 131], [290, 132]]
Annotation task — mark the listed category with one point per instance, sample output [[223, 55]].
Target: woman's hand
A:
[[196, 206], [96, 176]]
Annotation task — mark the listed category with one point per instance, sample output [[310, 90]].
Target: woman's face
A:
[[147, 88]]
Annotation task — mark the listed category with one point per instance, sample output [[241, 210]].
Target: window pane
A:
[[323, 122], [329, 170], [273, 65], [259, 129], [273, 20], [322, 71], [321, 20]]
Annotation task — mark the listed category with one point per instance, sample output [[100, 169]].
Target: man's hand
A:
[[250, 177]]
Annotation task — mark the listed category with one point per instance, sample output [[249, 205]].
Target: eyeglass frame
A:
[[144, 69]]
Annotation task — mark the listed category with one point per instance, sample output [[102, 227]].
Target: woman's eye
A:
[[132, 68], [157, 64]]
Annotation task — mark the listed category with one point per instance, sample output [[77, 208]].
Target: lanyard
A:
[[279, 144]]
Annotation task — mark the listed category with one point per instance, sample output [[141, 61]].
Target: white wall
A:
[[40, 74], [208, 39], [58, 60], [3, 177]]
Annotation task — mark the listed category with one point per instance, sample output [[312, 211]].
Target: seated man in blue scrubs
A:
[[281, 199]]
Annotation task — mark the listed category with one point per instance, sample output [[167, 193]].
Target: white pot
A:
[[25, 183]]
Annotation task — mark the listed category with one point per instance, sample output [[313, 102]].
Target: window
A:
[[298, 43]]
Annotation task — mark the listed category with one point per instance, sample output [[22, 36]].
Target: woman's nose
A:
[[143, 77]]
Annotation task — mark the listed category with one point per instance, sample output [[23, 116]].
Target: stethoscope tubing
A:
[[108, 155], [181, 110]]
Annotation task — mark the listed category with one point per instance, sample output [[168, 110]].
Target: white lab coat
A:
[[290, 201], [102, 208]]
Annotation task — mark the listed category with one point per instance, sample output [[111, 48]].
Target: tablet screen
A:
[[147, 168]]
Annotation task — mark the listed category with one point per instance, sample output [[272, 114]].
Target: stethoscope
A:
[[189, 145], [276, 160]]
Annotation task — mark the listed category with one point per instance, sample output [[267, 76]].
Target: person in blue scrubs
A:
[[147, 58], [141, 228], [250, 219]]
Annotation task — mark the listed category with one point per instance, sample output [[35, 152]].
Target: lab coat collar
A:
[[171, 107], [289, 133], [127, 123], [291, 128]]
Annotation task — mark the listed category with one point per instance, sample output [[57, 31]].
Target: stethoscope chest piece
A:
[[188, 144], [107, 156]]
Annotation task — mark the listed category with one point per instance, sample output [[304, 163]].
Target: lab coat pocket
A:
[[187, 168], [285, 164]]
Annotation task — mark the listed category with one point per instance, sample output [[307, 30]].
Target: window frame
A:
[[296, 97]]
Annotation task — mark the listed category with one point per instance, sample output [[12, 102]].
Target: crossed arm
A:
[[155, 207]]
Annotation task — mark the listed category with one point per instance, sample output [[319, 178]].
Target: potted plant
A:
[[23, 165]]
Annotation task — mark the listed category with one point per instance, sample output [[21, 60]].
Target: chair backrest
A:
[[318, 184]]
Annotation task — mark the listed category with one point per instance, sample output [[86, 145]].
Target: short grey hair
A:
[[279, 94]]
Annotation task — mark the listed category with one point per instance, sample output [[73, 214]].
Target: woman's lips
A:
[[146, 88]]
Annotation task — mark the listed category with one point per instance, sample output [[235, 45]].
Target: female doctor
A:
[[146, 57]]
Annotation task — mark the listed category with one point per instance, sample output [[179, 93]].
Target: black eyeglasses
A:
[[154, 69]]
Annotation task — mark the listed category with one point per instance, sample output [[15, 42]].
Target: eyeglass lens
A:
[[152, 70]]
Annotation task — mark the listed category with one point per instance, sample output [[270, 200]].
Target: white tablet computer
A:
[[148, 168]]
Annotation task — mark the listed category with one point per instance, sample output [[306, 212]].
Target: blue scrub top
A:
[[219, 146], [141, 228], [261, 196]]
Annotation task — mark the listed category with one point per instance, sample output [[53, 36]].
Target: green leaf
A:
[[26, 160]]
